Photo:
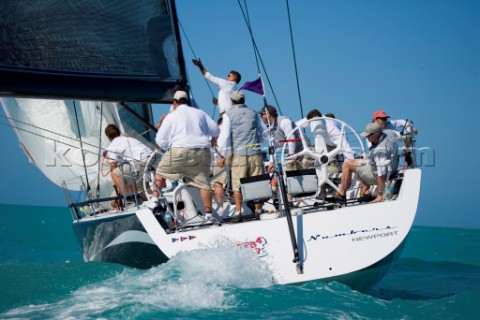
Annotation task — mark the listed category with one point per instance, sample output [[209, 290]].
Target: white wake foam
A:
[[204, 278]]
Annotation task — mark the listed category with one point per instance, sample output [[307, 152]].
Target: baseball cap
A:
[[380, 114], [271, 110], [371, 128], [237, 95], [180, 95]]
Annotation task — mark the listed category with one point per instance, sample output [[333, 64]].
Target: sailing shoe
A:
[[338, 198], [207, 216], [153, 203], [321, 197], [367, 197], [237, 218], [258, 213]]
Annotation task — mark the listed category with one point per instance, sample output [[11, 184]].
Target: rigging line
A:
[[43, 129], [193, 53], [261, 60], [81, 146], [139, 117], [45, 137], [195, 56], [294, 58], [249, 26], [48, 138], [8, 124], [99, 148]]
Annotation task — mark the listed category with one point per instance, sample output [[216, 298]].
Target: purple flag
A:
[[254, 86]]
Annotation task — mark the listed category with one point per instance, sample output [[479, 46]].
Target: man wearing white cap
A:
[[187, 132], [373, 170]]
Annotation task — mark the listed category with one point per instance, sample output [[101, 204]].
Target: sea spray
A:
[[201, 279]]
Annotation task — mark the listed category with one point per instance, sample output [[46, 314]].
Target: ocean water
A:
[[42, 276]]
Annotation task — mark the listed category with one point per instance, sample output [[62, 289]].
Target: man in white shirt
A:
[[383, 120], [187, 132], [333, 137], [125, 154], [225, 86], [337, 138]]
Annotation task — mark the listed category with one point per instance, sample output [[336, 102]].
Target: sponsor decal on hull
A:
[[359, 235], [257, 245]]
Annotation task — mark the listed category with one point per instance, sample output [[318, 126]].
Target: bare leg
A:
[[159, 181], [117, 181], [237, 195], [206, 196], [348, 168], [219, 193]]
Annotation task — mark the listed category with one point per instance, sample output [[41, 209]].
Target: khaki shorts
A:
[[364, 172], [192, 164], [246, 166], [222, 178]]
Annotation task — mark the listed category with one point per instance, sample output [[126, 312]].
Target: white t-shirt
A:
[[333, 136], [337, 138], [398, 125], [124, 149], [187, 127]]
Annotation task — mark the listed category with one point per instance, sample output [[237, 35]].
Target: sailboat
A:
[[60, 100]]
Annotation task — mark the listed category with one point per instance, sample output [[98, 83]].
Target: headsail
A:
[[119, 50], [54, 133]]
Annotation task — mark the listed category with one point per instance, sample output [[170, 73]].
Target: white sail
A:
[[65, 139]]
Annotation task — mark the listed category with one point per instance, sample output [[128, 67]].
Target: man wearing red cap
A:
[[383, 120], [402, 126]]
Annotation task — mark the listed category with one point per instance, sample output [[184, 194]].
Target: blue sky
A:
[[414, 59]]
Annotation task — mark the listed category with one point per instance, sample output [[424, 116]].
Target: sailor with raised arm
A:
[[226, 86]]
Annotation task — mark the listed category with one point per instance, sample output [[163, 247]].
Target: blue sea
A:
[[43, 276]]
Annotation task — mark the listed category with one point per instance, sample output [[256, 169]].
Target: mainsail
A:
[[67, 66], [116, 50]]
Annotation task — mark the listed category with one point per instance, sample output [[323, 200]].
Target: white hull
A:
[[354, 244]]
